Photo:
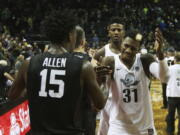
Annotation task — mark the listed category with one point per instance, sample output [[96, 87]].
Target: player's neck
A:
[[115, 48], [80, 49], [55, 49], [128, 63]]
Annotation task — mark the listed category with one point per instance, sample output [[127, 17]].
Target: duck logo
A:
[[129, 80]]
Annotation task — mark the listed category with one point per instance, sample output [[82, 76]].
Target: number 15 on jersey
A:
[[44, 92]]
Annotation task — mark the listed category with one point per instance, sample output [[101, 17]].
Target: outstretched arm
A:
[[158, 69], [163, 67]]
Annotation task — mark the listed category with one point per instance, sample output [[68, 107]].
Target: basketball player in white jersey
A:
[[173, 94], [131, 110], [116, 33]]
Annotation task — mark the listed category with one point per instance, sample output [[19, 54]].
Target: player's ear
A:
[[72, 36]]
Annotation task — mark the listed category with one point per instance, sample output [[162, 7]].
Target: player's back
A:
[[55, 95]]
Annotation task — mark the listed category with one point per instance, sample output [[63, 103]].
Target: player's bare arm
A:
[[90, 83], [109, 61], [147, 59], [160, 69], [99, 54], [19, 84]]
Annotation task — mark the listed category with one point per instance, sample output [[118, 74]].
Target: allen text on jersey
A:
[[54, 62]]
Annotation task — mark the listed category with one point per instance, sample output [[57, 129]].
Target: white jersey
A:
[[104, 116], [132, 114], [173, 85], [108, 51]]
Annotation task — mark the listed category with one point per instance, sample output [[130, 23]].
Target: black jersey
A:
[[86, 57], [55, 94], [89, 115], [81, 55]]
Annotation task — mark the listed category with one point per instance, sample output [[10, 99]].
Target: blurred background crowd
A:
[[20, 24]]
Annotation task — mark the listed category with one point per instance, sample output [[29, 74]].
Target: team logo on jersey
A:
[[129, 80]]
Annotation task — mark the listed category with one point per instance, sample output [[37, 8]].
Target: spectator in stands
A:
[[18, 63], [4, 77]]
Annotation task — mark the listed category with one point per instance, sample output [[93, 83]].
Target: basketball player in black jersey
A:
[[79, 50], [89, 113], [57, 80]]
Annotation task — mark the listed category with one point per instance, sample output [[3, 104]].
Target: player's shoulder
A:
[[102, 49], [99, 53], [147, 58], [45, 54], [109, 58], [81, 55]]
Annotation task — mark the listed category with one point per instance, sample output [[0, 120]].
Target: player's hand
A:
[[159, 42], [102, 72]]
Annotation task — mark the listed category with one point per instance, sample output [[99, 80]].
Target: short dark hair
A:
[[133, 33], [116, 19], [58, 24], [80, 35]]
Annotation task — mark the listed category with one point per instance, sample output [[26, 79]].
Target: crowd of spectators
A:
[[24, 17], [13, 51]]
